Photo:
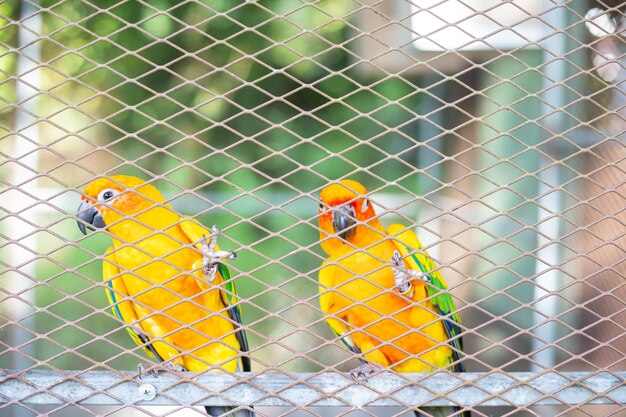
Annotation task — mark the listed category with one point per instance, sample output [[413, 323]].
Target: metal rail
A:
[[313, 389]]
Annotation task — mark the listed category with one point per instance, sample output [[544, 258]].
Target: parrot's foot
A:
[[361, 373], [210, 257], [403, 277], [154, 369]]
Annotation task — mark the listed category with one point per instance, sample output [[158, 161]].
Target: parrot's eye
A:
[[107, 194], [321, 206], [364, 206]]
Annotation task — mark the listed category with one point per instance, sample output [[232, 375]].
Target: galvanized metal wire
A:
[[493, 129]]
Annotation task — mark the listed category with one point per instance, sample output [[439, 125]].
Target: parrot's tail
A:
[[442, 412], [217, 411]]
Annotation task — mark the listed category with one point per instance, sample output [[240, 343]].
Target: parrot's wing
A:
[[194, 233], [409, 246], [123, 310], [340, 329], [234, 311]]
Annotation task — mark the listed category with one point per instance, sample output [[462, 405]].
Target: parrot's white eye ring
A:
[[108, 194], [364, 206]]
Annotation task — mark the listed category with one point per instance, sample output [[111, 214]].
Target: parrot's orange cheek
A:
[[326, 224]]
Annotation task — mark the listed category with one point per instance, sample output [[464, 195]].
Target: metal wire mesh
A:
[[493, 129]]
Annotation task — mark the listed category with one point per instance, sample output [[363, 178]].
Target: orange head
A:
[[108, 200], [346, 216]]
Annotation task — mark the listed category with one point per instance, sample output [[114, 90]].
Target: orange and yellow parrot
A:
[[165, 280], [382, 294]]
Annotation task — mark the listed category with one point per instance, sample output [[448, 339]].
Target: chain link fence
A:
[[493, 129]]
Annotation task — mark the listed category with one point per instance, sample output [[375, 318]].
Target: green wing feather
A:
[[234, 312], [346, 340], [139, 339], [195, 232], [442, 300], [229, 285], [445, 304], [115, 285]]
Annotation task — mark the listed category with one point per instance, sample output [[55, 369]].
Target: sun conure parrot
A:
[[164, 280], [381, 292]]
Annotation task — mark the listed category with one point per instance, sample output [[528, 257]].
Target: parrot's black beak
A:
[[344, 220], [88, 217]]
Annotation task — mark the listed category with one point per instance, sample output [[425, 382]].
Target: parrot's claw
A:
[[210, 257], [403, 283], [141, 369], [403, 277], [154, 369], [361, 373]]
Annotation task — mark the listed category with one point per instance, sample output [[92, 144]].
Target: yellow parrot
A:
[[165, 280], [382, 293]]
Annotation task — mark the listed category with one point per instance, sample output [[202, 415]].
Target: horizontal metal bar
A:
[[273, 388]]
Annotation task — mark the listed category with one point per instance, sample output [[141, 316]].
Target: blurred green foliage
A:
[[179, 87], [233, 106]]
